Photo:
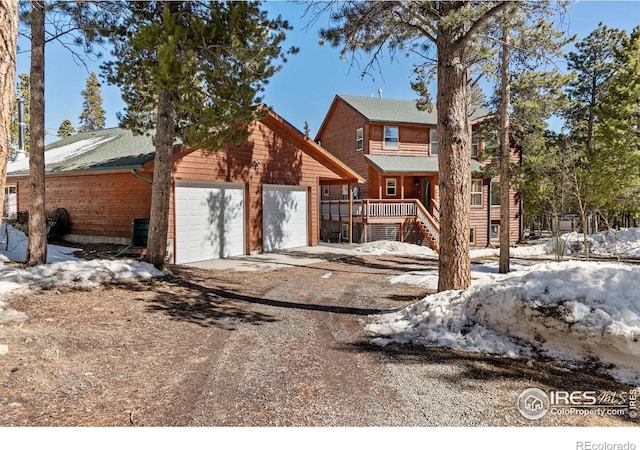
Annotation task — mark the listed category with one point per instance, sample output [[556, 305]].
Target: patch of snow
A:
[[62, 270], [396, 248], [61, 153], [624, 242], [13, 247], [575, 312]]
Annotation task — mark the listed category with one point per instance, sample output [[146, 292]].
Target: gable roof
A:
[[119, 149], [388, 110], [108, 149]]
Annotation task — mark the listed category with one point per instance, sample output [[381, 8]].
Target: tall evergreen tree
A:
[[65, 129], [193, 71], [79, 22], [618, 137], [92, 116], [454, 28], [8, 48]]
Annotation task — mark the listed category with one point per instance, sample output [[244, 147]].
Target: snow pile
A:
[[623, 242], [396, 248], [521, 251], [13, 247], [66, 271], [62, 153], [575, 312]]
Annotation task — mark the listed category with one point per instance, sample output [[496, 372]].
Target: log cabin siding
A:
[[98, 204]]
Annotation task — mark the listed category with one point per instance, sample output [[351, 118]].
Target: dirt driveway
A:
[[274, 348]]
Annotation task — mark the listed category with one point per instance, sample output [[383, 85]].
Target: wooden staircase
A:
[[429, 225]]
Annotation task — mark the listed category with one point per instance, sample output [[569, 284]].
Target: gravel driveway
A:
[[273, 348]]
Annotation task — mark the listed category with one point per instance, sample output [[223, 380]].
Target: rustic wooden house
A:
[[394, 147], [260, 197]]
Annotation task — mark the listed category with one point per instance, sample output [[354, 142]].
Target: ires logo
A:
[[534, 403]]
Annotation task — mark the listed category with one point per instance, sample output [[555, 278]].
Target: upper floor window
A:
[[476, 192], [391, 135], [495, 193], [359, 139], [391, 187], [475, 145], [433, 141]]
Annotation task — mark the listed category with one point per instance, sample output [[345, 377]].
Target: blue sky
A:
[[304, 88]]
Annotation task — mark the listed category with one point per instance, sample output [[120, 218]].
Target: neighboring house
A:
[[260, 197], [394, 147]]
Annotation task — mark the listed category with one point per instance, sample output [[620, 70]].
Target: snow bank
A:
[[13, 247], [396, 248], [575, 312], [624, 242], [62, 270]]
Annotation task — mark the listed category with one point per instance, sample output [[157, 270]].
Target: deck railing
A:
[[370, 209]]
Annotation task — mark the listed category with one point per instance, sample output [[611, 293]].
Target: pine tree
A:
[[92, 116], [8, 48], [618, 137], [66, 129], [453, 27], [192, 71]]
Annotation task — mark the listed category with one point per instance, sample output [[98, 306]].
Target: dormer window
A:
[[359, 139], [433, 141], [391, 135]]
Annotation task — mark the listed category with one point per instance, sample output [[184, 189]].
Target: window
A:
[[359, 139], [494, 231], [475, 145], [325, 191], [345, 192], [345, 231], [391, 187], [472, 236], [476, 192], [433, 141], [391, 137], [495, 193]]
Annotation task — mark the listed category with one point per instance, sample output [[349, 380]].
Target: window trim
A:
[[492, 194], [497, 234], [394, 187], [385, 145], [475, 136], [477, 193], [360, 139], [472, 235], [432, 132]]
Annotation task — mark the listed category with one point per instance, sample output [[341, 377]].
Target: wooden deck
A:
[[385, 211]]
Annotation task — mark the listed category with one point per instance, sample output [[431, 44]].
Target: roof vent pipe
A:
[[380, 92]]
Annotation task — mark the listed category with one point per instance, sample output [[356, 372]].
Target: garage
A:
[[285, 217], [210, 221]]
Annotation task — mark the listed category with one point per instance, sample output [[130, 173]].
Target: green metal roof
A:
[[412, 164], [108, 149], [377, 109]]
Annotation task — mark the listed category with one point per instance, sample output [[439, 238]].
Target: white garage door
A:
[[209, 221], [284, 222]]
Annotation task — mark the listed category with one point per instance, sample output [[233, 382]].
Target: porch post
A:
[[349, 234], [401, 187], [380, 179]]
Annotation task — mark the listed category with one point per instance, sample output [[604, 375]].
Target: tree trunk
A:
[[8, 47], [505, 153], [161, 190], [37, 248], [454, 138]]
